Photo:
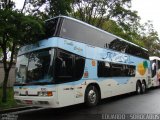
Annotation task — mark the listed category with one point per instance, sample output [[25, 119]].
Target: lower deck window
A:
[[68, 66], [106, 69]]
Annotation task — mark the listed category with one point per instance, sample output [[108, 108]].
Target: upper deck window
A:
[[51, 27], [84, 33], [81, 32]]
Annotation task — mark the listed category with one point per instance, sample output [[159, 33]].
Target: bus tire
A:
[[91, 96], [138, 88], [144, 88]]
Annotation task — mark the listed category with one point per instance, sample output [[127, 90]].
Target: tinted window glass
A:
[[68, 66], [118, 45], [136, 51], [130, 70], [79, 67], [51, 27], [158, 64], [106, 69], [118, 70], [64, 66], [84, 33]]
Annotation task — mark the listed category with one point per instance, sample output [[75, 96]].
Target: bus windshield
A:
[[35, 67]]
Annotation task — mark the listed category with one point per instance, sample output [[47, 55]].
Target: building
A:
[[11, 78]]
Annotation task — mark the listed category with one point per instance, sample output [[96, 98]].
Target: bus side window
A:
[[64, 66], [104, 69], [58, 68], [79, 67], [68, 66], [158, 64], [131, 70]]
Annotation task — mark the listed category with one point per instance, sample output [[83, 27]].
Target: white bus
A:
[[155, 71], [78, 63]]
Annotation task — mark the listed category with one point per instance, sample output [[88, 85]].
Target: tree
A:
[[15, 29], [150, 38], [47, 8], [95, 12], [144, 35], [114, 16], [0, 53], [112, 27]]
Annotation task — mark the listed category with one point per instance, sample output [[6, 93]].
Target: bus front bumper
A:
[[48, 102]]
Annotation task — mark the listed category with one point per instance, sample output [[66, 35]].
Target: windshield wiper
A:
[[19, 84], [33, 83], [39, 83]]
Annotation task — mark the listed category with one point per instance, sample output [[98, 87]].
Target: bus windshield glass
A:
[[35, 67]]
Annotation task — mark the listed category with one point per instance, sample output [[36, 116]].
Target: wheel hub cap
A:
[[92, 96]]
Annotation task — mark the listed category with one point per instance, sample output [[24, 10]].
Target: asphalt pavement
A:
[[129, 106]]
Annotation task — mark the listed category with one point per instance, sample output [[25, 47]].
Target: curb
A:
[[16, 109]]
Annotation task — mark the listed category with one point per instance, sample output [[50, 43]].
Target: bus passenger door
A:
[[66, 94], [155, 82], [64, 76], [153, 68]]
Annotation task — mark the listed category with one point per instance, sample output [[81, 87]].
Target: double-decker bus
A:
[[78, 63], [155, 71]]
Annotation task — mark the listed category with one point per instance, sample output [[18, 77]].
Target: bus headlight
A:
[[45, 93]]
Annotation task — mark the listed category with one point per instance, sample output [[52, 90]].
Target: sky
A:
[[147, 10]]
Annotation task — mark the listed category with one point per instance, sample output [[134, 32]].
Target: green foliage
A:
[[112, 27], [59, 7], [90, 10], [16, 29], [100, 13], [0, 53], [151, 42], [11, 102], [31, 29], [50, 8]]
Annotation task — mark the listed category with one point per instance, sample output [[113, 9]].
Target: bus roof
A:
[[154, 58], [66, 17]]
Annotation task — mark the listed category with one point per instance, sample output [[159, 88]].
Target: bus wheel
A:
[[91, 96], [143, 87], [138, 88]]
